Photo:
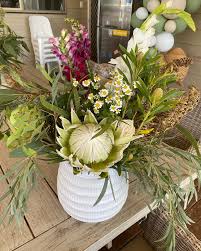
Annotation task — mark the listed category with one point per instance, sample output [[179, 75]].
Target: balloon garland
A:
[[168, 24]]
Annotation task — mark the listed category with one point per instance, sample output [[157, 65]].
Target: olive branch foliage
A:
[[148, 157]]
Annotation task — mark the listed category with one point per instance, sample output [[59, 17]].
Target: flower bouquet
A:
[[99, 130]]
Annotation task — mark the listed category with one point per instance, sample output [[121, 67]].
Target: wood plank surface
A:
[[11, 236], [44, 209], [72, 235]]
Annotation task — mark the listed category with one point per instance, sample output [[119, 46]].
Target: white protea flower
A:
[[84, 148]]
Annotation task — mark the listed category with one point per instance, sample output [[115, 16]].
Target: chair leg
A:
[[109, 245]]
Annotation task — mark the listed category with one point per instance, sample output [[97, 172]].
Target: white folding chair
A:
[[41, 31]]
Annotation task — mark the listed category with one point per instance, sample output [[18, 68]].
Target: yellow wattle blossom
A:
[[103, 93], [86, 83]]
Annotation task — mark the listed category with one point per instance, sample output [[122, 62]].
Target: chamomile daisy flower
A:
[[96, 111], [108, 100], [128, 92], [119, 103], [103, 93], [118, 83], [75, 82], [97, 79], [98, 104], [115, 109], [91, 97], [86, 83]]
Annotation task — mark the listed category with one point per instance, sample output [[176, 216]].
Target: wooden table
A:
[[47, 227]]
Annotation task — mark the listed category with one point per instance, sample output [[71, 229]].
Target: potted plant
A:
[[99, 130]]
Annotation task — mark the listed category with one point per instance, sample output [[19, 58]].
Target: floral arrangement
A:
[[97, 124]]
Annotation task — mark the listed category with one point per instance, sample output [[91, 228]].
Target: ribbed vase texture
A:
[[78, 194]]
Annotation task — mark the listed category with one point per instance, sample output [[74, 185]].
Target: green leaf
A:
[[8, 95], [44, 72], [188, 19], [52, 107], [55, 87], [102, 192], [76, 99]]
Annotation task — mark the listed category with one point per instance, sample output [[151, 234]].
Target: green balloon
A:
[[145, 2], [135, 22], [192, 5], [159, 27], [181, 25]]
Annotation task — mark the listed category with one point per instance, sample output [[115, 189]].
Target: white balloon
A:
[[170, 26], [164, 41], [142, 13], [152, 5]]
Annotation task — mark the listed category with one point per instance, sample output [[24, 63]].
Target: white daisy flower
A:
[[86, 83], [75, 82], [91, 97], [98, 104], [103, 93], [97, 79]]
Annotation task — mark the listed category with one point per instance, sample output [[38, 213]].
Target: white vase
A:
[[78, 194]]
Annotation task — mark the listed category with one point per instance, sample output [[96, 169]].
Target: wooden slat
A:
[[50, 174], [77, 236], [11, 236], [44, 209]]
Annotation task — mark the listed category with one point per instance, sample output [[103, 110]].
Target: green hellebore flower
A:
[[25, 122], [85, 147]]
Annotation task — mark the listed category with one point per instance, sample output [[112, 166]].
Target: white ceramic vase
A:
[[78, 194]]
